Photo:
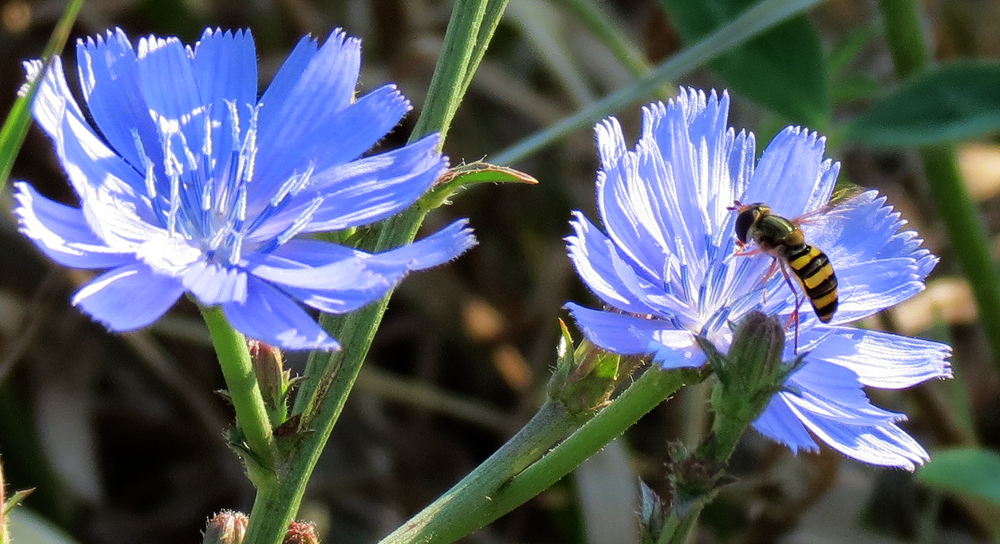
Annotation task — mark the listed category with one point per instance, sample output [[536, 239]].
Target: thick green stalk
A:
[[448, 82], [445, 519], [251, 414], [494, 12], [486, 494], [330, 377], [755, 20], [959, 214]]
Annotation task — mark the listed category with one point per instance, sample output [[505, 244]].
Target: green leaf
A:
[[951, 102], [782, 69], [470, 174], [971, 473], [850, 46], [15, 127]]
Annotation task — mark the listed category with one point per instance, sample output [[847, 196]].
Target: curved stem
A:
[[446, 518], [251, 414], [499, 485]]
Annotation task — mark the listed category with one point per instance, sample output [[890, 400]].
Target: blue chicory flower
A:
[[188, 183], [667, 271]]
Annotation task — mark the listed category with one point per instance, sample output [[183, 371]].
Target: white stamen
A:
[[293, 185], [236, 249], [248, 152], [146, 163], [300, 222]]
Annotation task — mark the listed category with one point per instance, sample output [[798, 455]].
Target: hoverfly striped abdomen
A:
[[815, 273]]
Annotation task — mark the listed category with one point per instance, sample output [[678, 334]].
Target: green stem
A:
[[448, 83], [445, 520], [251, 414], [755, 20], [958, 213], [494, 12], [330, 376], [320, 402], [488, 492]]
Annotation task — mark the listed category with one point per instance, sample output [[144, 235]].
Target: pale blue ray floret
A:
[[666, 269], [188, 183]]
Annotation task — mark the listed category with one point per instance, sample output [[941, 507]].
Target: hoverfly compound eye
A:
[[747, 215]]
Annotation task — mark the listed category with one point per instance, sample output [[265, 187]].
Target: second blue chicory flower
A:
[[188, 183], [668, 271]]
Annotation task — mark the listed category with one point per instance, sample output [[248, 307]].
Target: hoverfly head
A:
[[746, 217]]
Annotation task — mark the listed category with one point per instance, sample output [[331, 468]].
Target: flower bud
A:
[[748, 377], [273, 379], [226, 527], [301, 532], [585, 376], [654, 514]]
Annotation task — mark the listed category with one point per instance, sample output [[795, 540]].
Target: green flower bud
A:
[[585, 376]]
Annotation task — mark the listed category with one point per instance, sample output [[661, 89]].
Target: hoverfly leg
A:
[[742, 251], [798, 304]]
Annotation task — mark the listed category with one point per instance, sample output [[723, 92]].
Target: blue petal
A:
[[225, 70], [305, 253], [610, 142], [350, 279], [169, 85], [128, 297], [213, 284], [792, 174], [636, 213], [878, 443], [109, 79], [780, 424], [870, 287], [339, 301], [54, 100], [351, 270], [629, 335], [692, 136], [838, 385], [62, 233], [87, 160], [862, 229], [325, 138], [272, 317], [340, 274], [311, 83], [881, 359], [590, 250], [364, 191], [672, 350], [92, 167], [438, 248]]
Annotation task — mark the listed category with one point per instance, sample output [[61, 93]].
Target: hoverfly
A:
[[785, 242]]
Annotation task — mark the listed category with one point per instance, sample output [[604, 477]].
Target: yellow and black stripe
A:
[[815, 273]]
